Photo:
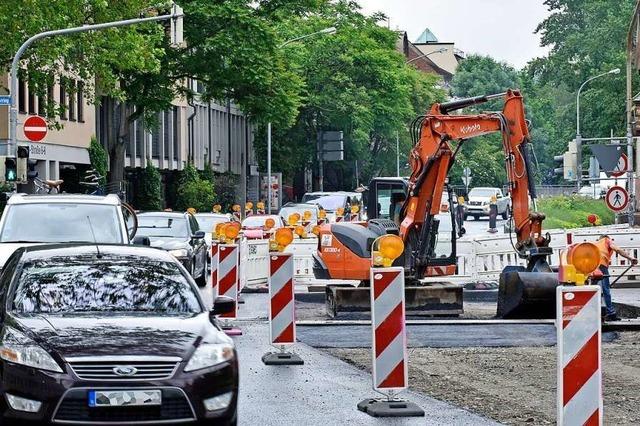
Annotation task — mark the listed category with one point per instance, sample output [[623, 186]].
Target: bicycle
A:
[[47, 186], [93, 181]]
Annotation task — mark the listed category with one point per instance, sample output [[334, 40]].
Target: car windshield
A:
[[482, 192], [111, 284], [61, 222], [285, 212], [162, 226], [258, 221], [329, 202], [208, 223]]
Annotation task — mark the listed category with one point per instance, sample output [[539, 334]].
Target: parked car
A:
[[291, 208], [110, 334], [444, 203], [332, 201], [479, 200], [180, 235], [593, 191], [63, 218], [208, 222]]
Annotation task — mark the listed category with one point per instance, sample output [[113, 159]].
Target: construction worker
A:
[[493, 214], [607, 248], [460, 214]]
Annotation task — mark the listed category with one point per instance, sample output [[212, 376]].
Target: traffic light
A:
[[21, 163], [569, 163], [32, 173], [10, 169]]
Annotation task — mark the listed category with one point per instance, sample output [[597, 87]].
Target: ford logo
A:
[[125, 370]]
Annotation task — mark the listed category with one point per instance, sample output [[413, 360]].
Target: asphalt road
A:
[[324, 391]]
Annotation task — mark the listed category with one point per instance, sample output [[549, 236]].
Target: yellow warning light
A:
[[232, 230], [260, 205], [283, 237], [300, 231], [218, 228], [248, 206], [221, 230], [269, 223], [585, 257], [236, 207], [293, 219], [340, 211], [273, 245], [307, 215], [355, 209], [377, 258], [389, 247], [322, 214], [216, 208], [315, 230], [191, 210]]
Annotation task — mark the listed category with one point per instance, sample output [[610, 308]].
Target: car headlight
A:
[[17, 348], [179, 252], [208, 355]]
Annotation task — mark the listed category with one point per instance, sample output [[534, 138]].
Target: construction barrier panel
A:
[[282, 320], [389, 350], [214, 268], [228, 275], [579, 355]]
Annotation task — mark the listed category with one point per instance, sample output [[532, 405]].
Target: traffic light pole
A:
[[13, 115]]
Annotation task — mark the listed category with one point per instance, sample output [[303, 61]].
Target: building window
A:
[[72, 100], [166, 133], [176, 136], [80, 101], [63, 100], [32, 100], [22, 96]]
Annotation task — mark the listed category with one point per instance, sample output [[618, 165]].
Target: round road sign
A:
[[617, 198], [622, 167], [35, 128]]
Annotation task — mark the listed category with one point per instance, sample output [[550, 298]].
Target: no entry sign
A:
[[617, 198], [622, 167], [35, 128]]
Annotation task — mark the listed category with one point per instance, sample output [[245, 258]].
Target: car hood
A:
[[479, 199], [143, 334], [7, 249], [169, 243]]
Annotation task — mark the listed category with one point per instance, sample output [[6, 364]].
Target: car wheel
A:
[[202, 279], [476, 217], [465, 217], [505, 215]]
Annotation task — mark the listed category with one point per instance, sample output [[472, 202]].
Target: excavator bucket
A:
[[524, 294]]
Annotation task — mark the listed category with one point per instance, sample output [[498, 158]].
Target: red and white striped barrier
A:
[[214, 268], [339, 218], [389, 352], [228, 275], [282, 315], [579, 355]]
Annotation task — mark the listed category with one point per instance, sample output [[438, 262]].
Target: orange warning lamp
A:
[[300, 231], [191, 210], [578, 262], [593, 219], [293, 219], [260, 205], [389, 247], [315, 230], [220, 230], [269, 223], [355, 209], [322, 214], [217, 230], [236, 207], [248, 205], [231, 231], [283, 237], [216, 208], [307, 215], [340, 211]]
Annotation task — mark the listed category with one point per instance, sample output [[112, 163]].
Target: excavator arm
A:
[[432, 158]]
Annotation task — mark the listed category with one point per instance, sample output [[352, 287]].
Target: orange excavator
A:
[[345, 248]]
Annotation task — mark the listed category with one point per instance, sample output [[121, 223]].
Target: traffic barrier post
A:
[[579, 368], [228, 284], [389, 338], [214, 268], [282, 319]]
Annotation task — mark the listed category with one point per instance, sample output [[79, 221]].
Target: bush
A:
[[98, 158], [225, 186], [572, 212], [194, 191], [149, 194]]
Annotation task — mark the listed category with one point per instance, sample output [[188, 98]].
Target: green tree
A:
[[194, 192], [149, 194], [225, 186], [98, 158]]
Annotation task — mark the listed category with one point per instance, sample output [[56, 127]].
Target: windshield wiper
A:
[[22, 241]]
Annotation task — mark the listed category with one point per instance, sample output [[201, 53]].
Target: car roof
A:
[[48, 251], [111, 199], [163, 214], [220, 215], [295, 205]]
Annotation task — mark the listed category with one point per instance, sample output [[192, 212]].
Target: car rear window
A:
[[109, 284]]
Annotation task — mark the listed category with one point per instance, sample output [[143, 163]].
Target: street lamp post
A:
[[578, 135], [441, 50], [176, 13], [330, 30]]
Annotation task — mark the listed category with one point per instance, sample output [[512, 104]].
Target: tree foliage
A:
[[149, 191], [193, 191], [98, 158]]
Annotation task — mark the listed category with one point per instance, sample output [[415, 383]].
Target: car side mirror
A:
[[141, 240], [198, 235], [222, 305]]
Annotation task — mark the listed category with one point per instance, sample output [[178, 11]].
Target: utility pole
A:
[[176, 13], [397, 154]]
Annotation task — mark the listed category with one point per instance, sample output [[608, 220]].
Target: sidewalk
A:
[[324, 391]]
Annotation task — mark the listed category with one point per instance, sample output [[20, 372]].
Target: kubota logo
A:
[[470, 128]]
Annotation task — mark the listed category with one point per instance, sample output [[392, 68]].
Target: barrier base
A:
[[393, 408], [281, 358], [230, 330]]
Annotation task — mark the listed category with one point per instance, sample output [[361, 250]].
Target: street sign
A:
[[332, 146], [466, 177], [608, 156], [617, 198], [5, 100], [35, 128], [621, 167]]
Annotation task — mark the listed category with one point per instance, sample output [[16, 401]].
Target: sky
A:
[[503, 29]]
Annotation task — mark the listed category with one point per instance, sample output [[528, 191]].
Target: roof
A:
[[220, 215], [163, 214], [426, 37], [48, 251], [111, 199]]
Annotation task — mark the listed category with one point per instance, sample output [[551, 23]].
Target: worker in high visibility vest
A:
[[607, 248]]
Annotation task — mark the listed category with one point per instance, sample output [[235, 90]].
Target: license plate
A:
[[124, 398]]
